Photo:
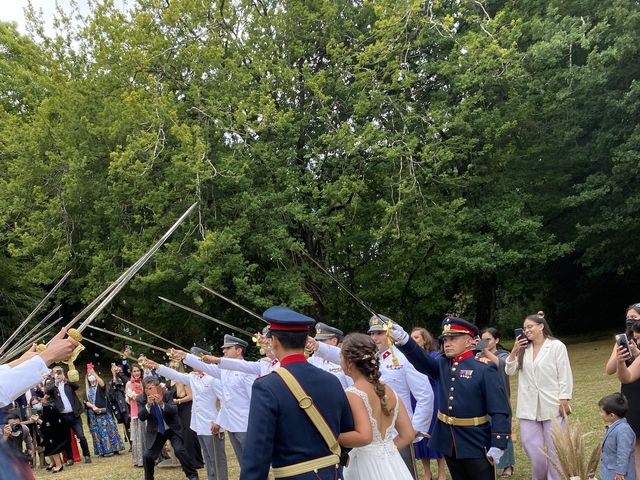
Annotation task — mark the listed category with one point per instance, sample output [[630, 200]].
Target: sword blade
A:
[[150, 333], [17, 350], [208, 317], [125, 337], [341, 285], [113, 350], [33, 329], [131, 271], [35, 310], [233, 303]]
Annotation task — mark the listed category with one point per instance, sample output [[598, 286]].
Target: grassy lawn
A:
[[590, 384]]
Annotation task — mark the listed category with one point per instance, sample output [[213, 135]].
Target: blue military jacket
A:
[[467, 388], [280, 433]]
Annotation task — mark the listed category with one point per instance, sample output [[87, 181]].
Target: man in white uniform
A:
[[236, 391], [330, 336]]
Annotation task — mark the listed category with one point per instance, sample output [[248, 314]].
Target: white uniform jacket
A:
[[331, 367], [403, 378], [206, 391], [236, 394], [260, 368], [17, 380], [543, 381]]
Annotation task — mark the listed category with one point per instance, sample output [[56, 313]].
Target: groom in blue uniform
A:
[[473, 413], [297, 411]]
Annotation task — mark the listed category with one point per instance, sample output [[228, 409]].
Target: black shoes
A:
[[87, 459]]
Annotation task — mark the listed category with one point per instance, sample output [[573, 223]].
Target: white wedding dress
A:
[[380, 460]]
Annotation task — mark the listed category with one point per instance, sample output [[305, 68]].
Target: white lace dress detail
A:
[[380, 460]]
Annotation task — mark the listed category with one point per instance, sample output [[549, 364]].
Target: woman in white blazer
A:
[[545, 386]]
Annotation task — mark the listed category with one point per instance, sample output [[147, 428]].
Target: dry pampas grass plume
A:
[[573, 462]]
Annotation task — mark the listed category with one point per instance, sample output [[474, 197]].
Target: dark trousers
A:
[[470, 468], [75, 424], [152, 452]]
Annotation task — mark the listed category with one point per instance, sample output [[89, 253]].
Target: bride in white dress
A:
[[376, 412]]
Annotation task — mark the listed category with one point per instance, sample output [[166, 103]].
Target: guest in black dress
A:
[[630, 390], [182, 397], [52, 429]]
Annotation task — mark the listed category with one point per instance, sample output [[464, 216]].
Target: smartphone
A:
[[482, 344], [519, 333], [621, 339]]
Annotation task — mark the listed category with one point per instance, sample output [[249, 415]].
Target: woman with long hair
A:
[[545, 386], [102, 425], [376, 412], [425, 340], [133, 388], [628, 370], [496, 353]]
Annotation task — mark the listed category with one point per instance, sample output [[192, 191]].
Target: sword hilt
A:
[[75, 334]]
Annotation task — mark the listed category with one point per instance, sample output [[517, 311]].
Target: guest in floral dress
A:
[[103, 427], [138, 427]]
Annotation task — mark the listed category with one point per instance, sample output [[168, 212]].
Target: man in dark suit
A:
[[63, 394], [280, 432], [156, 407]]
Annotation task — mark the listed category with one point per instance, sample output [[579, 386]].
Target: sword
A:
[[387, 325], [125, 337], [113, 350], [111, 292], [150, 333], [35, 310], [33, 329], [256, 336], [208, 317], [38, 336], [233, 303], [114, 288]]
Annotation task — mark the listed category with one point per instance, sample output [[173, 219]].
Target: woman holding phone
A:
[[545, 387], [628, 371]]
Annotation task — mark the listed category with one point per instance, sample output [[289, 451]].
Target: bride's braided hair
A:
[[362, 353]]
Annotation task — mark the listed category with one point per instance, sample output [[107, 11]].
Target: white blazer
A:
[[543, 381]]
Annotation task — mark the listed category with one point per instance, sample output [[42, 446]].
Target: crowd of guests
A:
[[158, 404]]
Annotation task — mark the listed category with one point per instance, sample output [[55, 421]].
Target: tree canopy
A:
[[477, 158]]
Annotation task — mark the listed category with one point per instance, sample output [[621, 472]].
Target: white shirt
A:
[[65, 400], [236, 394], [17, 380], [542, 382], [404, 379], [331, 367], [260, 368], [206, 391]]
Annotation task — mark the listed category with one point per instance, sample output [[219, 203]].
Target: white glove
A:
[[399, 336], [495, 453]]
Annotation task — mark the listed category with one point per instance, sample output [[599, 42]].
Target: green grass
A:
[[590, 384]]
